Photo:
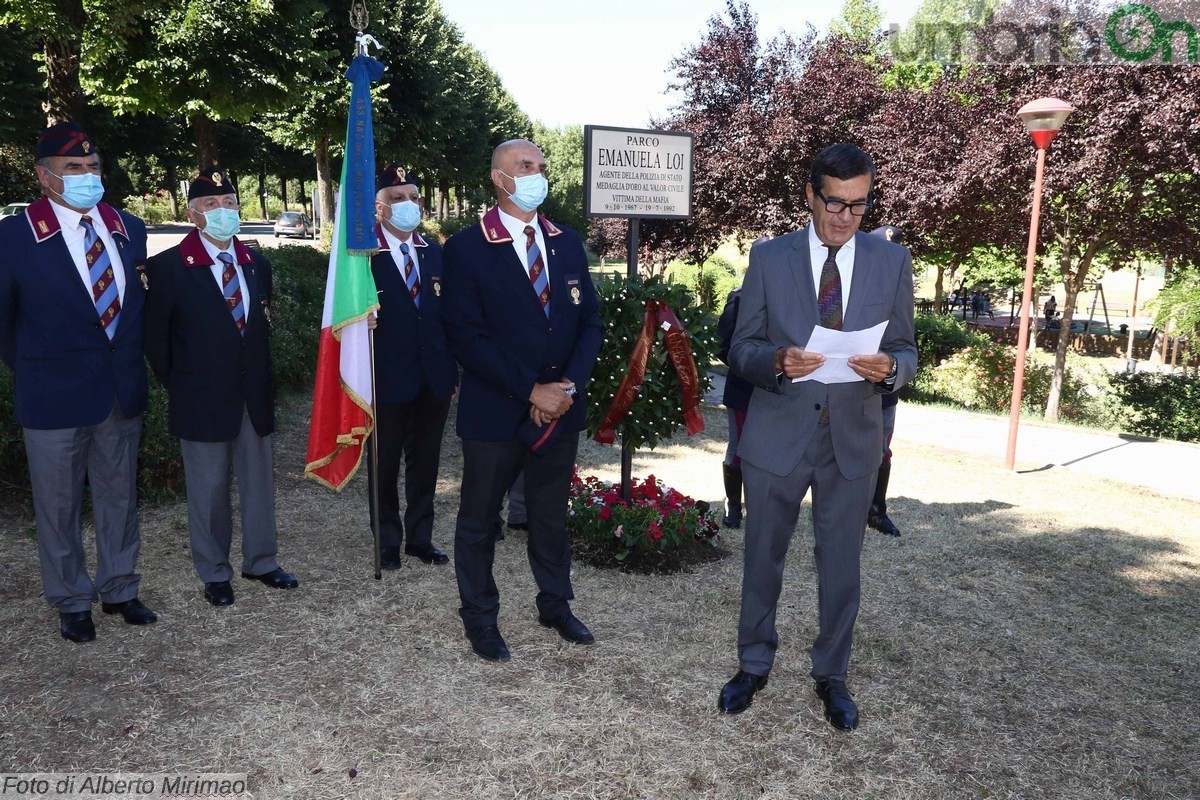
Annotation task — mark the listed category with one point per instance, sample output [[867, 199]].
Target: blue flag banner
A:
[[359, 188]]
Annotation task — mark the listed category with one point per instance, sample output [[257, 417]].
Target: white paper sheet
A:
[[837, 346]]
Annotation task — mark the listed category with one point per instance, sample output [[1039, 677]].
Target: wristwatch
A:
[[892, 373]]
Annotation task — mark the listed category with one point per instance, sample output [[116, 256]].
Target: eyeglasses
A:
[[837, 206]]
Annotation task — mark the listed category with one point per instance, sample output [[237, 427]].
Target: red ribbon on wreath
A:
[[657, 315]]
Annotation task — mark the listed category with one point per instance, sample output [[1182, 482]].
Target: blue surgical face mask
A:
[[81, 191], [529, 191], [406, 215], [222, 223]]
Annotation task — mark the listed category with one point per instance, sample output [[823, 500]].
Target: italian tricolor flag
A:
[[343, 412]]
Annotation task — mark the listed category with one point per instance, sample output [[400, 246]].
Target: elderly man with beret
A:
[[415, 375], [208, 342], [71, 320]]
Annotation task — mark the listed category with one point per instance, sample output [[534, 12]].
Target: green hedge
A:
[[1156, 404], [299, 273]]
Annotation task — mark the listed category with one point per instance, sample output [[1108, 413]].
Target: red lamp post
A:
[[1043, 119]]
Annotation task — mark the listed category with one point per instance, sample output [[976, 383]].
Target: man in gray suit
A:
[[810, 434]]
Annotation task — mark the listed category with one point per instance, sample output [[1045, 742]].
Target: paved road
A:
[[1166, 467], [160, 237]]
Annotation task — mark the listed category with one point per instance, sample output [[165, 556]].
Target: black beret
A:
[[64, 139], [209, 182], [395, 175], [889, 232]]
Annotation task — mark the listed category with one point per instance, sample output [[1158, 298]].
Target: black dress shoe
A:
[[840, 710], [276, 579], [389, 557], [882, 523], [427, 553], [737, 695], [132, 610], [488, 643], [569, 628], [219, 593], [76, 626], [518, 526]]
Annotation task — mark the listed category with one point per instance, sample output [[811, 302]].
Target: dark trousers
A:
[[489, 469], [839, 517], [411, 432]]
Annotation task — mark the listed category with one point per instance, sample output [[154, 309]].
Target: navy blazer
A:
[[210, 370], [67, 373], [502, 338], [410, 342]]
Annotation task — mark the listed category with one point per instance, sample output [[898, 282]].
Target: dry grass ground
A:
[[1029, 636]]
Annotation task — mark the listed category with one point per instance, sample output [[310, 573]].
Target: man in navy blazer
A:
[[71, 319], [816, 433], [415, 375], [208, 342], [522, 320]]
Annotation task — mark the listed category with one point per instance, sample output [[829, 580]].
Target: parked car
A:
[[13, 209], [294, 223]]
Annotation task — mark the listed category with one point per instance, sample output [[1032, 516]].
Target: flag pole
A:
[[374, 485]]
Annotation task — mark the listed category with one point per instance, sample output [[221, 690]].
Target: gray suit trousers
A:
[[58, 462], [839, 517], [210, 513]]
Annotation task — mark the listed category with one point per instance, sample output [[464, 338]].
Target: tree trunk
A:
[[262, 191], [283, 191], [205, 131], [324, 181], [443, 197], [304, 198], [173, 190], [458, 204], [1072, 283], [64, 97]]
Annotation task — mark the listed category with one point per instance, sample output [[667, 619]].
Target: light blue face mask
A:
[[81, 191], [222, 224], [529, 191], [406, 215]]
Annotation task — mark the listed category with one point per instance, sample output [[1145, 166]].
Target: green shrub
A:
[[153, 209], [1156, 404], [299, 274], [980, 377], [441, 230]]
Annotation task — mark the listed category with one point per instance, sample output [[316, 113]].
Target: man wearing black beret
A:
[[208, 342], [415, 375], [71, 319]]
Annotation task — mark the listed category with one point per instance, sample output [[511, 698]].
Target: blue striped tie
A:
[[231, 287], [537, 270], [104, 282], [411, 279]]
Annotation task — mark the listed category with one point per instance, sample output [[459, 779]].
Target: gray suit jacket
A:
[[779, 309]]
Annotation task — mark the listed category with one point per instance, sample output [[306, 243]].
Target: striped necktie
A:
[[829, 295], [537, 270], [104, 282], [411, 278], [231, 287]]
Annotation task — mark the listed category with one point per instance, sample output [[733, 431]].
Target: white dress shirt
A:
[[74, 235], [818, 252], [516, 229], [394, 243], [218, 267]]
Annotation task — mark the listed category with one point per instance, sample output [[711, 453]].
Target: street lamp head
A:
[[1044, 118]]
